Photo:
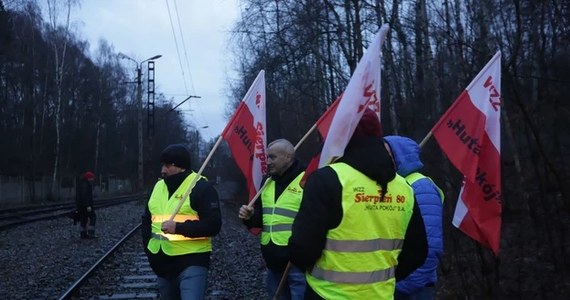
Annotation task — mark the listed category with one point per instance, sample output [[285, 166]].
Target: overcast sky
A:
[[195, 62]]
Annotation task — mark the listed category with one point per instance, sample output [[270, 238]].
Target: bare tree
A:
[[59, 51]]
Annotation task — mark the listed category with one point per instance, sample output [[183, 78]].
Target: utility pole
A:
[[140, 180], [140, 174], [197, 148], [150, 103], [198, 144]]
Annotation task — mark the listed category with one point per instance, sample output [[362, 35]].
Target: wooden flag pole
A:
[[383, 31], [252, 201], [195, 180], [282, 282], [289, 264], [240, 106], [306, 136], [426, 138]]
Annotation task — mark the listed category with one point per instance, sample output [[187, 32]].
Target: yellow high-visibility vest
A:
[[413, 177], [361, 254], [278, 216], [161, 208]]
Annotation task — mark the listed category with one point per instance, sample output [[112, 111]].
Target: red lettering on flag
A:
[[469, 134], [359, 92], [246, 136], [362, 91]]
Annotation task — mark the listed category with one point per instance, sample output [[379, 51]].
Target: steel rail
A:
[[76, 286], [53, 213]]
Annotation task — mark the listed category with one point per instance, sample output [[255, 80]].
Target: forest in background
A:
[[433, 51], [63, 111], [59, 106]]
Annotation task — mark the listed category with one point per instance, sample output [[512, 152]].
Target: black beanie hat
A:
[[176, 154]]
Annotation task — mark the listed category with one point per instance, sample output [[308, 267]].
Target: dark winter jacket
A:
[[84, 195], [276, 257], [406, 153], [204, 200], [321, 209]]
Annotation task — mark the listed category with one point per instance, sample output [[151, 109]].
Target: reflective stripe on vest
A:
[[280, 211], [172, 237], [161, 208], [277, 228], [177, 218], [364, 246], [278, 216], [411, 178], [360, 256], [353, 277]]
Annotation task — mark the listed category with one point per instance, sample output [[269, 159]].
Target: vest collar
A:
[[173, 182]]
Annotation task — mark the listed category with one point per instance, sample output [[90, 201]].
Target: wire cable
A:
[[177, 48]]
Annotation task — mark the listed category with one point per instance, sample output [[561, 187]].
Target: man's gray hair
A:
[[285, 145]]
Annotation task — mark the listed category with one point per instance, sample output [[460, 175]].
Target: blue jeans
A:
[[425, 293], [190, 284], [294, 288]]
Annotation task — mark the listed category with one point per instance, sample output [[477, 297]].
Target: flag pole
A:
[[426, 138], [382, 36], [196, 178], [306, 136], [282, 282], [252, 201], [289, 264]]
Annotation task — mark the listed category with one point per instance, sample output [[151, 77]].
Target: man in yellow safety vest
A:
[[179, 250], [358, 228], [274, 213]]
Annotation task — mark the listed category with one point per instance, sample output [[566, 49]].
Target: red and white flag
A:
[[246, 135], [470, 135], [323, 124], [359, 93]]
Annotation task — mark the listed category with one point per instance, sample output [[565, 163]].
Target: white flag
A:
[[361, 89]]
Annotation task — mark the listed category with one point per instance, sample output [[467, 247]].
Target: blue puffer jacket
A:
[[406, 153]]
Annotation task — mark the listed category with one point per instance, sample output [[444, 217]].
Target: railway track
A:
[[22, 215], [122, 272]]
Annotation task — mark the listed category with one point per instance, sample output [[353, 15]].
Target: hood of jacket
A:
[[369, 156], [406, 154]]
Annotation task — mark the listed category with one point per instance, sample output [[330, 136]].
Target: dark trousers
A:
[[86, 217], [87, 220]]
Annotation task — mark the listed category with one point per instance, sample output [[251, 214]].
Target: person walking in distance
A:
[[84, 205], [406, 154], [274, 213], [179, 250], [358, 228]]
